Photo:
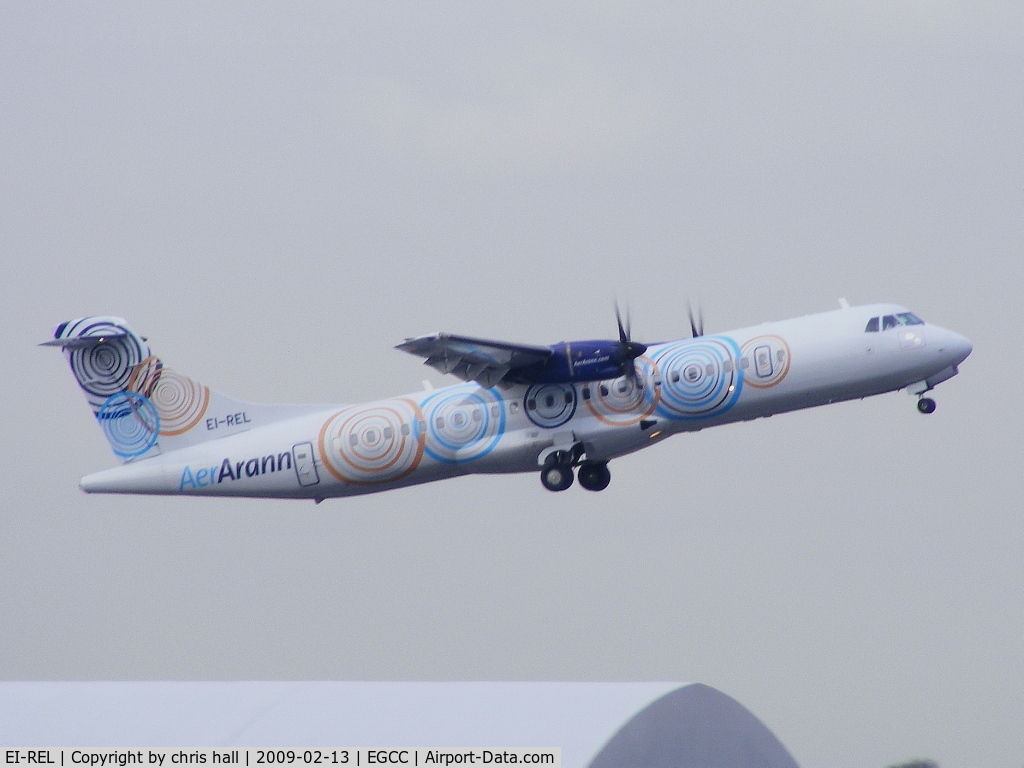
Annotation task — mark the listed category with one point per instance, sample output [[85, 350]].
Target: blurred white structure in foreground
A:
[[600, 725]]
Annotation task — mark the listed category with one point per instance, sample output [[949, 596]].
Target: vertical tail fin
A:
[[135, 399], [142, 406]]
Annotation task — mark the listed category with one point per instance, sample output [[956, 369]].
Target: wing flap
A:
[[482, 360]]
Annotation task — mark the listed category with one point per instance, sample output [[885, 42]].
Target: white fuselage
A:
[[681, 386]]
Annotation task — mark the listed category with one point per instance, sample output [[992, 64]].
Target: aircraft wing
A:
[[481, 360]]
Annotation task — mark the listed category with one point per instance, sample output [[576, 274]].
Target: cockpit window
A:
[[872, 326], [909, 318], [889, 321]]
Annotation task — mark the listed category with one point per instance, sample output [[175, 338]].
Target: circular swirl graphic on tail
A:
[[550, 405], [130, 422], [374, 443], [699, 378], [180, 401], [624, 401], [146, 375], [769, 361], [464, 424], [104, 369]]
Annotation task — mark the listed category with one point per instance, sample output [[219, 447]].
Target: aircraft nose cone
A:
[[961, 347], [954, 345]]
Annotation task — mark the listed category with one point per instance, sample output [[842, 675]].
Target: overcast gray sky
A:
[[277, 194]]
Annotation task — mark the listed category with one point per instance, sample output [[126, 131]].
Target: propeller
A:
[[627, 350], [696, 324]]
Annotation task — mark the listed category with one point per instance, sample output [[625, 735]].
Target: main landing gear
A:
[[594, 475], [926, 405], [557, 473], [556, 477]]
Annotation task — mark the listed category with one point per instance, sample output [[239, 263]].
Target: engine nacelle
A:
[[578, 361]]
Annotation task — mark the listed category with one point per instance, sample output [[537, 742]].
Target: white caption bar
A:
[[169, 758]]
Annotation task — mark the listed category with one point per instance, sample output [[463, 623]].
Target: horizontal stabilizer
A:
[[83, 342]]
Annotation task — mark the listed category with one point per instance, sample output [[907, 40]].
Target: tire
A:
[[595, 476], [556, 477], [926, 405]]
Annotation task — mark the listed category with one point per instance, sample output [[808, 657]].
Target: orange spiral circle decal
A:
[[373, 443], [624, 401], [180, 402], [769, 357], [145, 376]]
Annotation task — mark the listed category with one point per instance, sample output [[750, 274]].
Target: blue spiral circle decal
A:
[[130, 422], [550, 405], [699, 378], [464, 424]]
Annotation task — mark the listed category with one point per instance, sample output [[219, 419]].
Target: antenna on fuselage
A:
[[843, 303]]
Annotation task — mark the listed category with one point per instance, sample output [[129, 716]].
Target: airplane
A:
[[563, 411]]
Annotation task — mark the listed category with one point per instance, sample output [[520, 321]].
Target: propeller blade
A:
[[633, 374], [627, 350], [696, 323], [623, 331]]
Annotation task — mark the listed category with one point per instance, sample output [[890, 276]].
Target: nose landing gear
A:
[[926, 405]]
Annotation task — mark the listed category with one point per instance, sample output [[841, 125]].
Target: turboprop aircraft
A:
[[572, 406]]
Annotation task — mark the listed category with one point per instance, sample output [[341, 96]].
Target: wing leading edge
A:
[[481, 360]]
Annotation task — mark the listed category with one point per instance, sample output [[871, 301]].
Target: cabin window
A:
[[586, 393], [889, 321], [675, 377], [780, 355], [531, 404], [439, 422], [604, 391], [388, 433], [727, 366], [568, 397], [495, 411], [477, 416], [353, 439], [744, 363], [709, 369], [549, 401], [404, 429], [872, 326]]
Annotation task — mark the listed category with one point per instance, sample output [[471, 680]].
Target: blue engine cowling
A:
[[571, 361]]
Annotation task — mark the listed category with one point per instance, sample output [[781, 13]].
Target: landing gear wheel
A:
[[594, 476], [556, 477], [926, 405]]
